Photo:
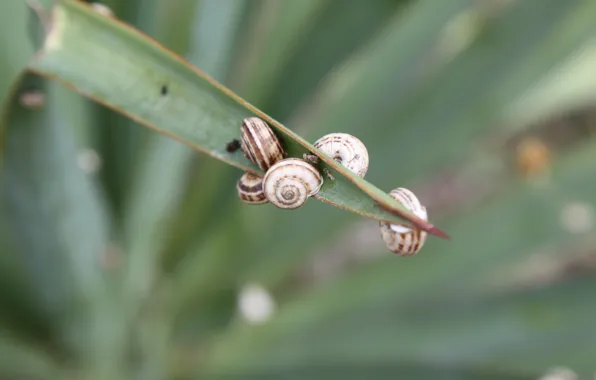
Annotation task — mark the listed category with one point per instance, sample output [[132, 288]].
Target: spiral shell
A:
[[403, 239], [345, 149], [250, 189], [259, 144], [290, 182]]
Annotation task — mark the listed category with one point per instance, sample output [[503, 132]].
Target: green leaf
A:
[[21, 361], [40, 191], [519, 331], [130, 77], [17, 50], [379, 370], [19, 310], [488, 67], [60, 224]]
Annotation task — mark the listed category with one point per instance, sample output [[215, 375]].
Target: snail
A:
[[259, 144], [399, 238], [250, 189], [290, 182], [345, 149]]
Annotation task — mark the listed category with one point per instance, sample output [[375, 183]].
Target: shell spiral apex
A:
[[290, 182]]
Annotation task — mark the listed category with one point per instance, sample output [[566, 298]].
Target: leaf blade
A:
[[134, 90]]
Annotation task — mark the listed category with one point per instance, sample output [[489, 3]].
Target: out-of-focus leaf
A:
[[493, 69], [275, 29], [520, 331], [528, 216], [18, 308], [59, 222], [19, 361], [167, 99], [407, 87], [16, 51], [55, 206], [339, 30], [16, 47], [378, 370], [569, 86]]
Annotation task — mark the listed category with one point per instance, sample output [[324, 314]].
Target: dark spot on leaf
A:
[[233, 146], [164, 90]]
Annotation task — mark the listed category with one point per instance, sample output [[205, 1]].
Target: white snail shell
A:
[[259, 144], [102, 9], [290, 182], [400, 238], [250, 189], [345, 149]]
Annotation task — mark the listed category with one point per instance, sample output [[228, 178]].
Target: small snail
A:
[[289, 183], [345, 149], [399, 238], [250, 189], [259, 143]]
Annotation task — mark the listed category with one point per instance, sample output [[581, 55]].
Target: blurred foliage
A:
[[125, 254]]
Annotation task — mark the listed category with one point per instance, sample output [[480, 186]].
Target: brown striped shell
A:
[[347, 150], [250, 189], [259, 144], [400, 238], [290, 182]]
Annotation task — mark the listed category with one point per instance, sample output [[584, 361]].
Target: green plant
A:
[[123, 251]]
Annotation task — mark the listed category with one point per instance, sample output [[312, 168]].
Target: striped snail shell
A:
[[403, 239], [250, 189], [345, 149], [259, 144], [290, 182]]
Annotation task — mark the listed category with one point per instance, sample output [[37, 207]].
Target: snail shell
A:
[[345, 149], [102, 9], [259, 144], [403, 239], [250, 189], [290, 182]]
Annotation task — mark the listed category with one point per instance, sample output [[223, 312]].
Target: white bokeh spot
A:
[[88, 160], [577, 218], [255, 304], [559, 373]]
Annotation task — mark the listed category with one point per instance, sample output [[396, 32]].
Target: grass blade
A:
[[380, 370], [59, 222]]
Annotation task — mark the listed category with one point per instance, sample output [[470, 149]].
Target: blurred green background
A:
[[484, 108]]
